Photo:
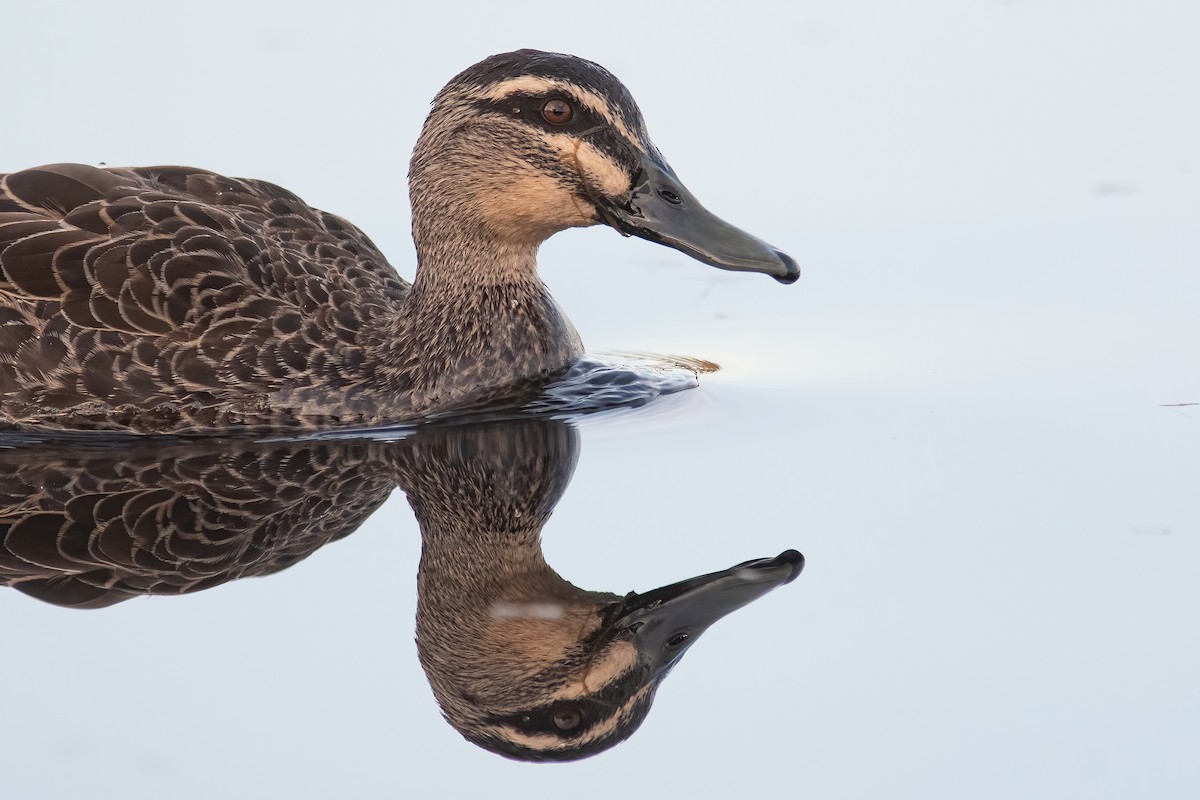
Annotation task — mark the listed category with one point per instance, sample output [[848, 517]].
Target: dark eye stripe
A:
[[529, 109], [597, 130]]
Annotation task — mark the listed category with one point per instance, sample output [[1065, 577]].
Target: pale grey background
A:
[[959, 414]]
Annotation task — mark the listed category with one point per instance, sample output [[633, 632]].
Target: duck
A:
[[522, 662], [173, 299]]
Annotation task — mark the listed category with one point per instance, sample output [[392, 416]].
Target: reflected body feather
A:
[[88, 528]]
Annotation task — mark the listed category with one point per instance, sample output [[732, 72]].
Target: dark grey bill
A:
[[661, 209], [666, 621]]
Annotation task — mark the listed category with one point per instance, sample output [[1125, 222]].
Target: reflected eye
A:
[[557, 112], [567, 718]]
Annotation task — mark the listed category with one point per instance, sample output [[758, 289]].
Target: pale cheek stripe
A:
[[592, 163]]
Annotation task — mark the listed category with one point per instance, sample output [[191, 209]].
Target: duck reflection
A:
[[92, 525], [521, 661]]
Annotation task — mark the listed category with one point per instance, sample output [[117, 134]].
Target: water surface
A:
[[971, 414]]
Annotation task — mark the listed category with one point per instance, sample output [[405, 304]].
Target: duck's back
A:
[[171, 297]]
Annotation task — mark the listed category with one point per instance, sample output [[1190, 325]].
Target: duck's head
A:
[[525, 144], [554, 673]]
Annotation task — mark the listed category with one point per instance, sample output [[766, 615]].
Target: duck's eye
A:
[[567, 718], [557, 112]]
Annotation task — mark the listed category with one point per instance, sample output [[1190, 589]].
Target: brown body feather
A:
[[170, 298]]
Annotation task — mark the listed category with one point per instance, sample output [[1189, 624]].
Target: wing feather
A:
[[206, 289]]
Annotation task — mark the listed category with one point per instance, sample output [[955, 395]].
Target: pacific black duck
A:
[[172, 299], [521, 661]]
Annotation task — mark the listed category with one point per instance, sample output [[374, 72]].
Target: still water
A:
[[975, 415]]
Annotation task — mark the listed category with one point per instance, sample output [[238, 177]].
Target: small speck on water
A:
[[1113, 188]]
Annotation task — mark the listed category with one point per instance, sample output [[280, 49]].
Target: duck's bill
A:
[[661, 209], [666, 621]]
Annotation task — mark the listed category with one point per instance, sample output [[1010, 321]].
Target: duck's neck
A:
[[457, 254], [477, 317]]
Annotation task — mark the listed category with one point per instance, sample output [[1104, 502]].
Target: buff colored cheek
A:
[[602, 170]]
